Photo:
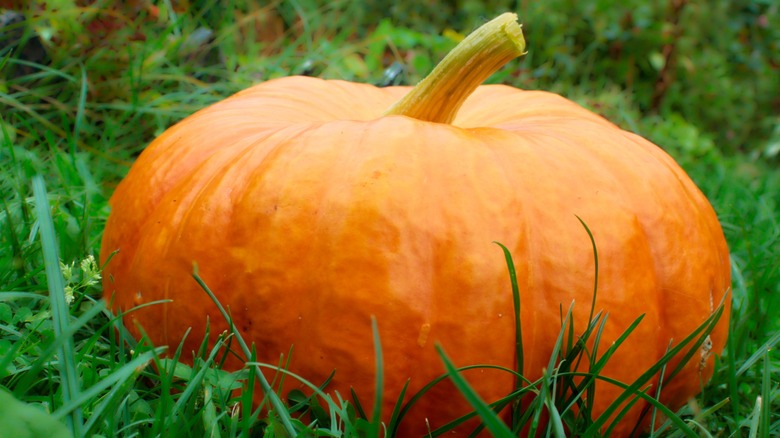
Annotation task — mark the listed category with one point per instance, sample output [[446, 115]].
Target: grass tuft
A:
[[60, 313]]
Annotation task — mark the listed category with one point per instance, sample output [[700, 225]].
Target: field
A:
[[84, 89]]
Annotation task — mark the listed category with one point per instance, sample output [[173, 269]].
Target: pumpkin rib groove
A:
[[197, 196], [195, 173], [520, 245]]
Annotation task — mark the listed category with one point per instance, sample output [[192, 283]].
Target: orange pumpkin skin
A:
[[308, 211]]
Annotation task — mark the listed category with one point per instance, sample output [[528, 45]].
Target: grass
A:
[[74, 121]]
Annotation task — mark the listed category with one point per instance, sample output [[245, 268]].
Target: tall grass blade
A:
[[210, 420], [356, 402], [658, 393], [9, 357], [548, 381], [519, 354], [766, 387], [494, 424], [394, 418], [12, 295], [4, 58], [79, 122], [60, 311], [276, 402], [602, 362], [756, 418], [496, 406], [588, 385], [376, 416], [317, 390], [425, 389], [595, 267], [704, 331], [760, 353], [510, 264], [247, 419]]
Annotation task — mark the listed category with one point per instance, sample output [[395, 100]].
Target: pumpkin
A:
[[312, 205]]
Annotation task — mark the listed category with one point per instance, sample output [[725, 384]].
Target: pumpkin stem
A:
[[439, 96]]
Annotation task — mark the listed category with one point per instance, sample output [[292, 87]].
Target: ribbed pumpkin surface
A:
[[308, 212]]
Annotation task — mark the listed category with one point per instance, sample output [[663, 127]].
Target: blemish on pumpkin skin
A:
[[706, 351], [422, 338]]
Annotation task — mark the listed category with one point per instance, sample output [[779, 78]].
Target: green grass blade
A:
[[246, 400], [79, 122], [394, 418], [376, 416], [356, 402], [424, 390], [702, 332], [658, 392], [549, 380], [731, 375], [595, 267], [766, 394], [60, 311], [602, 362], [276, 402], [9, 357], [496, 406], [755, 419], [519, 352], [11, 295], [315, 388], [760, 353], [209, 417], [4, 58], [510, 264], [494, 424], [555, 418], [588, 385]]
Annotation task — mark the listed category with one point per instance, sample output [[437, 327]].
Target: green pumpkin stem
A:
[[439, 96]]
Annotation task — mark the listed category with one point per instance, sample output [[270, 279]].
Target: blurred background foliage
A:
[[714, 63], [709, 66]]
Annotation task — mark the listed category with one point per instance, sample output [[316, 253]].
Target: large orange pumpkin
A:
[[309, 207]]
